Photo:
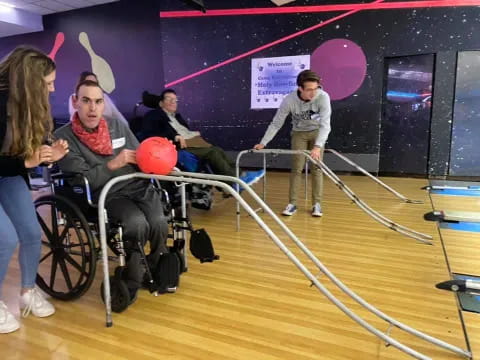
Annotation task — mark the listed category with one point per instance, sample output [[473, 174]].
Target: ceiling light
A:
[[6, 5]]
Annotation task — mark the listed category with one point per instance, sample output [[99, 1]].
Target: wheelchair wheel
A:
[[68, 261], [119, 293]]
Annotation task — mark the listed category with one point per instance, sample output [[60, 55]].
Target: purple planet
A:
[[342, 66]]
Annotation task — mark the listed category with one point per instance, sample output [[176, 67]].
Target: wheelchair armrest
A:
[[64, 175], [60, 177]]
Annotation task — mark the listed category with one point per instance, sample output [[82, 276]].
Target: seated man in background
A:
[[167, 122], [101, 150]]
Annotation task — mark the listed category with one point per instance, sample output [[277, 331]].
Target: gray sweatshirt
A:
[[306, 116], [93, 166]]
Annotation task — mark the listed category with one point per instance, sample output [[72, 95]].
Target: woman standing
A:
[[26, 78]]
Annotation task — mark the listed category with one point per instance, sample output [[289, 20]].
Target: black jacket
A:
[[9, 165], [157, 123]]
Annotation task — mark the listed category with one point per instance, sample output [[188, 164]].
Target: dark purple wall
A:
[[127, 36], [146, 52]]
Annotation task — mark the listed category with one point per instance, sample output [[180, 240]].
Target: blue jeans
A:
[[18, 224]]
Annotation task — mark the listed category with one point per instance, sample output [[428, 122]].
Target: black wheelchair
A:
[[70, 247]]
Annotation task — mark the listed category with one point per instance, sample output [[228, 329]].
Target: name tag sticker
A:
[[117, 143]]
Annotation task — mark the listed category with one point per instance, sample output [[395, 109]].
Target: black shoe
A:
[[133, 295]]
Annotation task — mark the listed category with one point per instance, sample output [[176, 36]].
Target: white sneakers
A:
[[31, 302], [289, 210], [317, 210], [8, 323], [34, 302], [292, 209]]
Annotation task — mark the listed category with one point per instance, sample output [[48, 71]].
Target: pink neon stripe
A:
[[320, 8], [253, 51]]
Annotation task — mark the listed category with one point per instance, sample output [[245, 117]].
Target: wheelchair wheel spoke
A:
[[44, 227], [72, 246], [65, 230], [53, 272], [47, 244], [76, 265], [46, 256], [54, 239], [53, 215], [65, 273]]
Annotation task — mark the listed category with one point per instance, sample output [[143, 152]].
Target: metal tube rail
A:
[[180, 177], [373, 213], [374, 178], [360, 203], [329, 274], [237, 166]]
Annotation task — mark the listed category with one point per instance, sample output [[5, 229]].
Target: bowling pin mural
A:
[[100, 67], [281, 2], [59, 40]]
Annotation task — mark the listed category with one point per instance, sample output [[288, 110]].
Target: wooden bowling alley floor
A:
[[463, 254], [254, 304]]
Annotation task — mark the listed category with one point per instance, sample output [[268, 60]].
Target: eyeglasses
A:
[[171, 100], [311, 90]]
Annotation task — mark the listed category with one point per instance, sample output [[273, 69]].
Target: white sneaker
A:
[[317, 210], [34, 302], [8, 323], [289, 210]]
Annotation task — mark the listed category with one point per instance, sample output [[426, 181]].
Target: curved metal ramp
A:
[[377, 180], [218, 181], [424, 238]]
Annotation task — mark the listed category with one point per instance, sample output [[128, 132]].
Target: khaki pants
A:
[[220, 163], [305, 140]]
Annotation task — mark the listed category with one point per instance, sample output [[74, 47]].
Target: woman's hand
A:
[[59, 149], [42, 155]]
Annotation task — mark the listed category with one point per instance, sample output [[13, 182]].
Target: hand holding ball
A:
[[156, 155]]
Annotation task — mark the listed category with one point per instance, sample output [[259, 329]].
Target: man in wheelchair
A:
[[101, 150], [165, 121]]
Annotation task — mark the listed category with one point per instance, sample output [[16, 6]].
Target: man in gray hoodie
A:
[[101, 150], [309, 107]]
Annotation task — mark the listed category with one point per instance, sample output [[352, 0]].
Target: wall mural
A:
[[208, 59], [125, 35], [214, 89], [100, 66], [342, 66], [59, 40]]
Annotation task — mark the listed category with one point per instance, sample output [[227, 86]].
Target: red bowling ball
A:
[[156, 155]]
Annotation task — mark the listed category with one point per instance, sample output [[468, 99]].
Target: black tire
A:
[[67, 246]]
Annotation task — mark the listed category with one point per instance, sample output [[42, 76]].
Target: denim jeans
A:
[[18, 225]]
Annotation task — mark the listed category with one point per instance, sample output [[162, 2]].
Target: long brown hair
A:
[[22, 72]]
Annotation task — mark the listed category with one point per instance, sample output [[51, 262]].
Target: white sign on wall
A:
[[274, 78]]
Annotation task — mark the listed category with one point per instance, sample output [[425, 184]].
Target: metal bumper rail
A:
[[378, 181], [219, 181], [424, 238]]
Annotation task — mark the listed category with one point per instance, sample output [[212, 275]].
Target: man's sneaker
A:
[[317, 210], [34, 302], [251, 177], [289, 210], [8, 323]]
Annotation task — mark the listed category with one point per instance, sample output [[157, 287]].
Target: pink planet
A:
[[342, 66]]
